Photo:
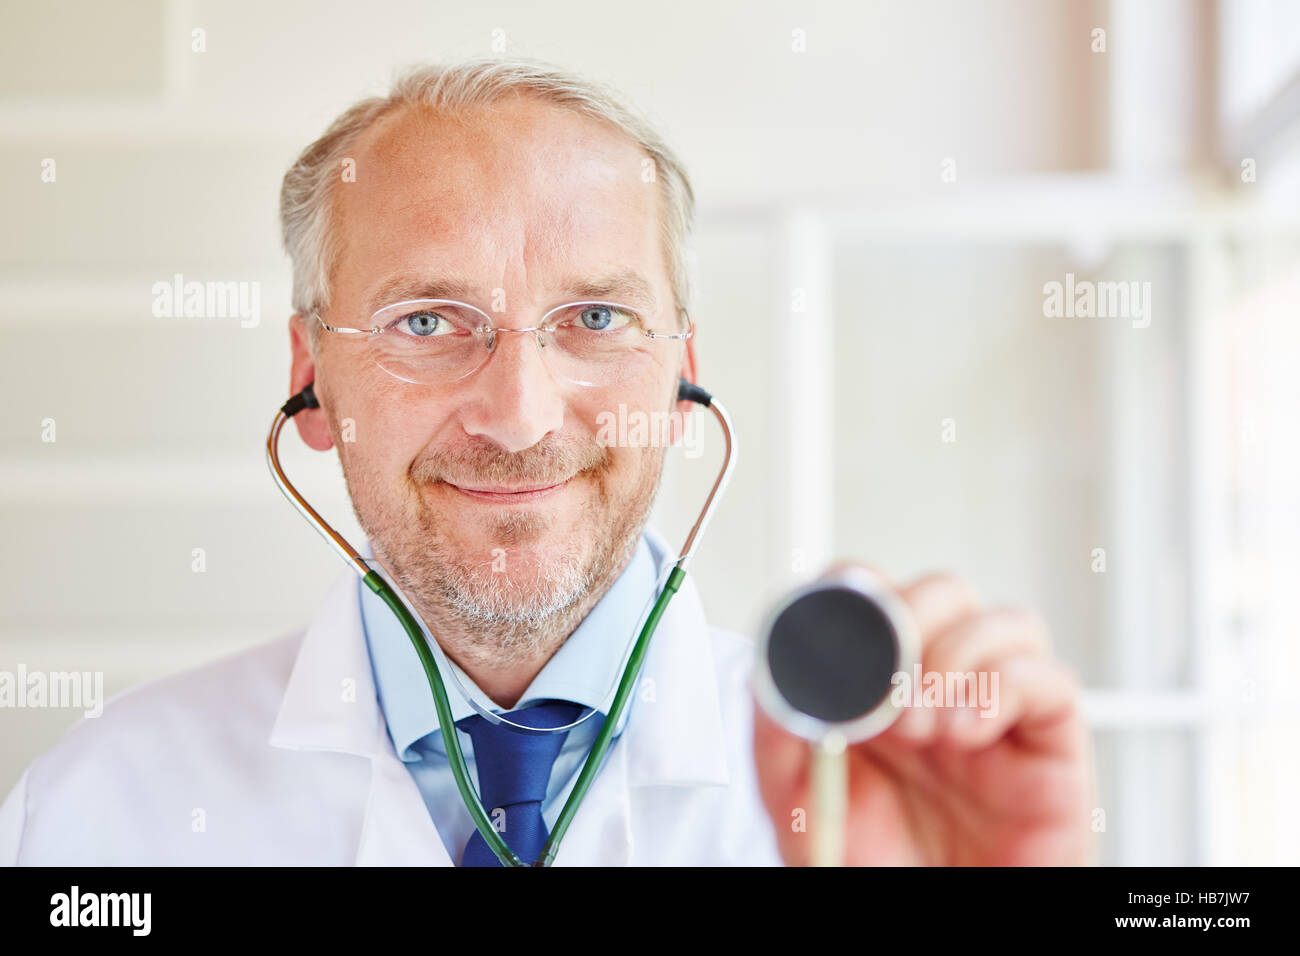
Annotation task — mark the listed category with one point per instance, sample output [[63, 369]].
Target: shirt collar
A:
[[585, 669]]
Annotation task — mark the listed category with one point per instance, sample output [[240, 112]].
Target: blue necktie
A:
[[514, 769]]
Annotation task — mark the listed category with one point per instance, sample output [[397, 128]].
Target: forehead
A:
[[513, 192]]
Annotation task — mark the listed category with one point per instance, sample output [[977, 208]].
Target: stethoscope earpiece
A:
[[690, 392], [304, 399]]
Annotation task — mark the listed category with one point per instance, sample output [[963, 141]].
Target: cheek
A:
[[380, 436], [398, 442], [637, 411], [632, 446]]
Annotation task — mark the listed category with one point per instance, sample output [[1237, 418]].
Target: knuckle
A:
[[1071, 679], [851, 565], [941, 586], [1026, 621]]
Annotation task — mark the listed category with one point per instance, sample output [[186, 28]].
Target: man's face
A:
[[520, 202]]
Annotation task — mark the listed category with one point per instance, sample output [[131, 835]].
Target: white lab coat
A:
[[280, 755]]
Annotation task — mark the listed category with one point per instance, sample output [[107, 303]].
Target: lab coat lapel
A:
[[678, 737], [330, 704], [673, 737], [397, 830]]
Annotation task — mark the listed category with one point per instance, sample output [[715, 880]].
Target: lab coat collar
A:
[[584, 669], [674, 737], [329, 702]]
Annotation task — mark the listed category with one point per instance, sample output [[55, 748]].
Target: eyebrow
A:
[[627, 286]]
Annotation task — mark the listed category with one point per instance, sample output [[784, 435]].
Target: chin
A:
[[521, 586], [505, 544]]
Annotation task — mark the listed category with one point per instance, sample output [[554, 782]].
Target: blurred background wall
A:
[[886, 189]]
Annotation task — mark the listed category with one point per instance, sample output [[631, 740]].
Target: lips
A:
[[504, 494], [504, 490]]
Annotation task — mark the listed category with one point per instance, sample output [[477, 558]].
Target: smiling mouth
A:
[[500, 494]]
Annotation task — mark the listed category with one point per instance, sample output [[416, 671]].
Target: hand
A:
[[937, 788]]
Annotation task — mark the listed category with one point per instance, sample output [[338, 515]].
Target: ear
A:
[[313, 426], [688, 373], [684, 408]]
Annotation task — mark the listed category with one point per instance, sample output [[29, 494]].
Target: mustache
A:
[[547, 463]]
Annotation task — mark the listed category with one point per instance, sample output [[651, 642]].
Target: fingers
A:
[[969, 655], [780, 752], [983, 636], [845, 565], [1037, 700], [938, 600], [781, 760], [995, 663]]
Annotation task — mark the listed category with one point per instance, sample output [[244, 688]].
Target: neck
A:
[[503, 675]]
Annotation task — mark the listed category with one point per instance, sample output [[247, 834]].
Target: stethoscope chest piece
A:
[[828, 656]]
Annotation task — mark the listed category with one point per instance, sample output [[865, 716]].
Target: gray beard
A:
[[488, 616], [497, 616], [507, 622]]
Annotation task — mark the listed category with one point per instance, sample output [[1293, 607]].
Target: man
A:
[[509, 195]]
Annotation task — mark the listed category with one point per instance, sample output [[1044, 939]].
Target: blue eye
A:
[[596, 317], [601, 318], [421, 323]]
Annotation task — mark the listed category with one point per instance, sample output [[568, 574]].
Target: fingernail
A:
[[905, 723], [963, 719], [922, 722]]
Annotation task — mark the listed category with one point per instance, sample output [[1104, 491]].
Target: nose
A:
[[515, 401]]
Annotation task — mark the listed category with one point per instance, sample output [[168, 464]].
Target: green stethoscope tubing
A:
[[451, 742], [385, 592]]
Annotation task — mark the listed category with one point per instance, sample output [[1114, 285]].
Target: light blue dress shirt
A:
[[585, 670]]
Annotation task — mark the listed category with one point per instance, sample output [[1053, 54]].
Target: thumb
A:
[[782, 760]]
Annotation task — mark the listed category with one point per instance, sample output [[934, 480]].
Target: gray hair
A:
[[307, 194]]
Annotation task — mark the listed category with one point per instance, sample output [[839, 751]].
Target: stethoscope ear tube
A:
[[631, 674], [446, 724], [375, 582]]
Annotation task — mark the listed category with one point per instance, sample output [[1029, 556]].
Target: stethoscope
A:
[[388, 592]]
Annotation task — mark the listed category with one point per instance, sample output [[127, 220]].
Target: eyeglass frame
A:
[[489, 330]]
